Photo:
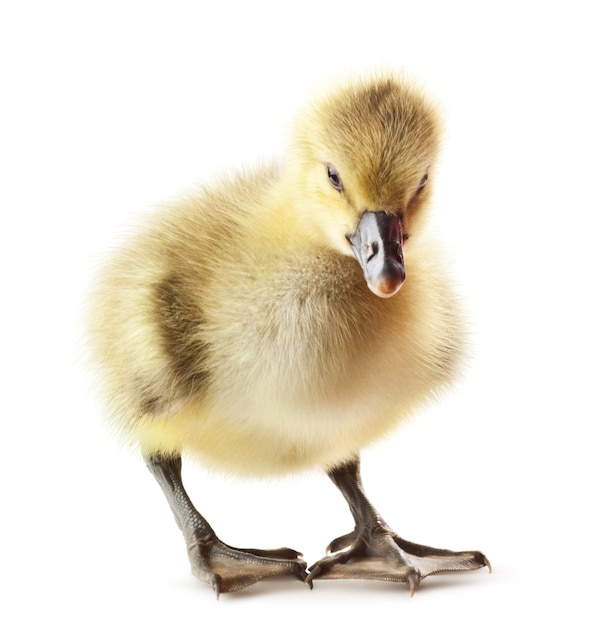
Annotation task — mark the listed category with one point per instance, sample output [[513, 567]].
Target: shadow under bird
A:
[[284, 318]]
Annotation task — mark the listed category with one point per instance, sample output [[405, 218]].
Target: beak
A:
[[377, 246]]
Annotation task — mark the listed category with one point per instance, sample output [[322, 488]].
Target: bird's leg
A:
[[223, 567], [374, 551]]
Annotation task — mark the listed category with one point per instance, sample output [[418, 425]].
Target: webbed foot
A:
[[383, 555], [229, 569]]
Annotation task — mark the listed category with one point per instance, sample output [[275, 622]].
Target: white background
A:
[[109, 107]]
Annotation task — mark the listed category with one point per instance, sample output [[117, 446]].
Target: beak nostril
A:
[[371, 250]]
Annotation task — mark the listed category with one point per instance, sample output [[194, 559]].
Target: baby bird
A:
[[284, 319]]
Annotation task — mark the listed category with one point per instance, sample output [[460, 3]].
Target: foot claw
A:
[[487, 563], [216, 586], [313, 572], [413, 579]]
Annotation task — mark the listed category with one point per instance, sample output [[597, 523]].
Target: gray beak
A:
[[377, 246]]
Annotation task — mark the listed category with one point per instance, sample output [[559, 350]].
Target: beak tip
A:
[[386, 287]]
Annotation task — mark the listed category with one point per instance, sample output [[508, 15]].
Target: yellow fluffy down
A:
[[237, 327]]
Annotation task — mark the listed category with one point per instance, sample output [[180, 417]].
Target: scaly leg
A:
[[374, 551], [223, 567]]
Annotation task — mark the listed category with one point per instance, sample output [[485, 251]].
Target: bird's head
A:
[[360, 169]]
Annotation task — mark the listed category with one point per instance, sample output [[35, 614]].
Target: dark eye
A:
[[334, 178], [424, 182]]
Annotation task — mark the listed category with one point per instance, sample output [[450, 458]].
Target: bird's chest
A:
[[299, 335], [307, 368]]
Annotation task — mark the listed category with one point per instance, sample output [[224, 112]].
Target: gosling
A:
[[284, 319]]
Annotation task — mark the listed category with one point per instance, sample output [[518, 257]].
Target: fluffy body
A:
[[237, 327]]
